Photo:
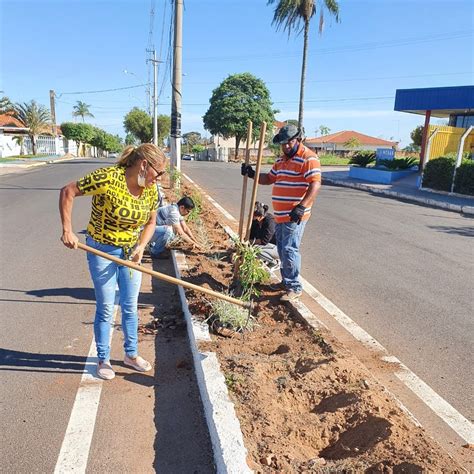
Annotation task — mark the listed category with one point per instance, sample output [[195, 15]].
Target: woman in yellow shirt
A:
[[123, 216]]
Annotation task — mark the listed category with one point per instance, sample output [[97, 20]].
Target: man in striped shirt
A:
[[296, 180]]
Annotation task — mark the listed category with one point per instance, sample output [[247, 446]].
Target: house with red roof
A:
[[347, 141]]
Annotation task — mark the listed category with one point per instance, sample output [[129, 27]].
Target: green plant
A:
[[175, 179], [464, 181], [81, 109], [238, 99], [251, 270], [195, 213], [320, 341], [231, 316], [362, 158], [231, 380], [35, 118], [399, 163], [295, 16], [438, 174]]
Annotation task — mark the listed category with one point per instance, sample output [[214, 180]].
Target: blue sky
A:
[[354, 67]]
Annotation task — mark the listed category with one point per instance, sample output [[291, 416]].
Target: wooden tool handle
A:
[[162, 276]]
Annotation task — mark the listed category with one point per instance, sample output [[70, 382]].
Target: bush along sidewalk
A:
[[438, 175]]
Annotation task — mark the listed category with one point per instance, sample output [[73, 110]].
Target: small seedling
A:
[[231, 316], [251, 270], [325, 347], [195, 213], [231, 381]]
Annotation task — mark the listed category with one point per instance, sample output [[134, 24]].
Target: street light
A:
[[148, 94]]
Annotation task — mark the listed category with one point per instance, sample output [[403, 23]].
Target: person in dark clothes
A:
[[262, 234]]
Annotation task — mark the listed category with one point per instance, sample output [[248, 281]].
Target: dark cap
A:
[[286, 133]]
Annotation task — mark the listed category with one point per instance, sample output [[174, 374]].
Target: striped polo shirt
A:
[[291, 179]]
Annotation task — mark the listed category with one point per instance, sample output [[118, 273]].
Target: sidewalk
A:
[[404, 189], [13, 166]]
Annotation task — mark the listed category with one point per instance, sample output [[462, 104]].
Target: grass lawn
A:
[[326, 160]]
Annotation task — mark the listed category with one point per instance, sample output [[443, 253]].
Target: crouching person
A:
[[171, 224], [262, 235]]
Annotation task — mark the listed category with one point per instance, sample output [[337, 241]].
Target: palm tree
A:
[[20, 140], [6, 107], [297, 14], [35, 118], [81, 110]]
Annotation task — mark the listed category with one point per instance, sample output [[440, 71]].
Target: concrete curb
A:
[[405, 197], [37, 163], [227, 441]]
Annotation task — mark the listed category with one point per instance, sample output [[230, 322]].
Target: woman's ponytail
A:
[[126, 158]]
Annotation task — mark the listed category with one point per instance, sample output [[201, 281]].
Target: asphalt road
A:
[[403, 272], [144, 422]]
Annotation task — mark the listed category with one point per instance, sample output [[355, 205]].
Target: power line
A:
[[103, 90], [351, 48]]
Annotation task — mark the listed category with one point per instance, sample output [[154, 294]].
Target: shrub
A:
[[399, 163], [438, 174], [464, 181], [362, 158]]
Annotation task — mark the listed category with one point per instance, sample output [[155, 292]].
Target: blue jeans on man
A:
[[288, 237], [106, 275], [163, 233]]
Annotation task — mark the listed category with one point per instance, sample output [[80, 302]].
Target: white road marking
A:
[[76, 445], [463, 427]]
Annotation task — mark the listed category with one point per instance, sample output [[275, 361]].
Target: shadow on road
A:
[[182, 441]]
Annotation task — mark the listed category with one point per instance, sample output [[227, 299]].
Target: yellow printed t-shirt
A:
[[116, 216]]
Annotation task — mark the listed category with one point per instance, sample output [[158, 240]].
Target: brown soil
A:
[[304, 403]]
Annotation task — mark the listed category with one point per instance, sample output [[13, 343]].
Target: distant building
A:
[[347, 141], [453, 103]]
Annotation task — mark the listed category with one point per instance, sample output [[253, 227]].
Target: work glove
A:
[[297, 213], [247, 170]]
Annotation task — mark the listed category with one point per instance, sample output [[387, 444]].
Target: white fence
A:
[[45, 145], [213, 154]]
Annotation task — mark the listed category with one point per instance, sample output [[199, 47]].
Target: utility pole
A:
[[155, 95], [176, 86], [52, 105]]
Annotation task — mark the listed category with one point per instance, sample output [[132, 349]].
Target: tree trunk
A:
[[33, 144], [303, 74], [237, 144]]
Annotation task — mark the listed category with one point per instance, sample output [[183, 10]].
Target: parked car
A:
[[187, 157], [113, 155]]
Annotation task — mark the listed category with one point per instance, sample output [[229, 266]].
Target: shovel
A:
[[167, 278]]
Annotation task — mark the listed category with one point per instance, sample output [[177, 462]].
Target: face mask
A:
[[293, 151], [141, 179]]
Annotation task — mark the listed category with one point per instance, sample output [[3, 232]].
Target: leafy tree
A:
[[292, 122], [191, 139], [198, 148], [139, 124], [352, 143], [164, 127], [324, 130], [6, 107], [35, 117], [417, 135], [81, 109], [297, 14], [131, 139], [81, 133], [238, 99]]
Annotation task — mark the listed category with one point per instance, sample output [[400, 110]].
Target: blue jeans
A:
[[288, 237], [160, 238], [106, 275]]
